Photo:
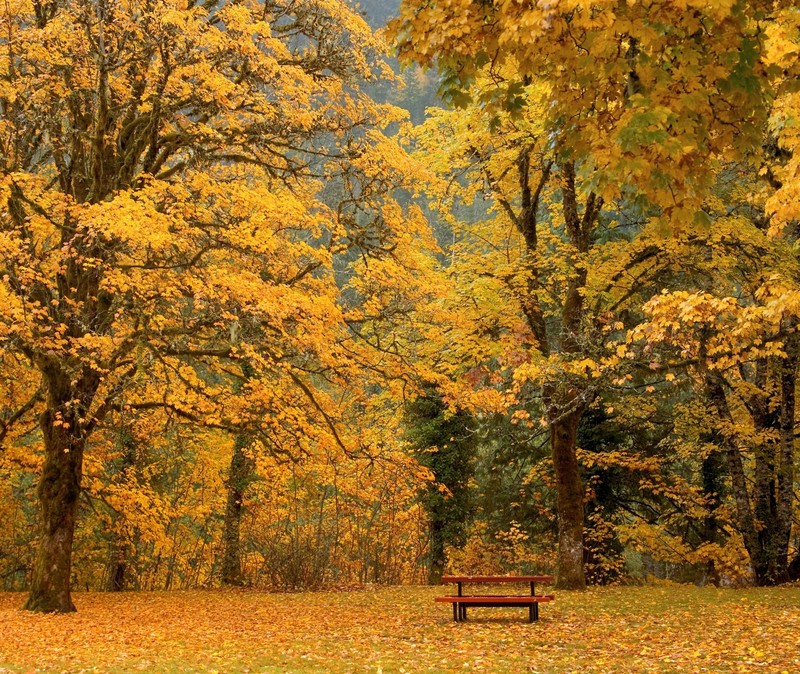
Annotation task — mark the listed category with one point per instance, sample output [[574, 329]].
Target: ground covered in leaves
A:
[[640, 629]]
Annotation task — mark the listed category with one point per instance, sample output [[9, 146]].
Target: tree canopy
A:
[[260, 327]]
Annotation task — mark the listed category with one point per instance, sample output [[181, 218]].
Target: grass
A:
[[632, 629]]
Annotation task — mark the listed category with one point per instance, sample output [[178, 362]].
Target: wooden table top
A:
[[497, 579]]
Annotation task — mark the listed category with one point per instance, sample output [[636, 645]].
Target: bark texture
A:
[[58, 490], [570, 574], [239, 476], [565, 401]]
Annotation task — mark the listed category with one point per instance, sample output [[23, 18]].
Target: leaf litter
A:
[[401, 630]]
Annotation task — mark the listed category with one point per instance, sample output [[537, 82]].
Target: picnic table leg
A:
[[455, 611], [463, 612], [533, 613]]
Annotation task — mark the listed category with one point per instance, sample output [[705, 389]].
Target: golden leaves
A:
[[727, 332], [634, 91], [200, 229], [638, 629]]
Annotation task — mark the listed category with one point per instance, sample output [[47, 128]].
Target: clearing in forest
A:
[[636, 629]]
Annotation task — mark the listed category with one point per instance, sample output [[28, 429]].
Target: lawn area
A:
[[638, 629]]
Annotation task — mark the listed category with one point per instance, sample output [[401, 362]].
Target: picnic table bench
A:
[[460, 601]]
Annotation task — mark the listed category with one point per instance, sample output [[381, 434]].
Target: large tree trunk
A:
[[238, 478], [563, 438], [64, 431], [566, 406], [59, 489], [565, 402]]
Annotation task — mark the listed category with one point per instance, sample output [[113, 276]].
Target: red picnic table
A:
[[460, 601]]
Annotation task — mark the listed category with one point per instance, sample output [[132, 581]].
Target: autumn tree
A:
[[528, 260], [640, 104], [161, 222], [738, 333], [737, 344]]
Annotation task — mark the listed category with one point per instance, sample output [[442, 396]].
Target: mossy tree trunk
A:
[[58, 490], [239, 476], [569, 485], [565, 401]]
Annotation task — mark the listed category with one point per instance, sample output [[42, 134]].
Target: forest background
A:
[[301, 333]]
